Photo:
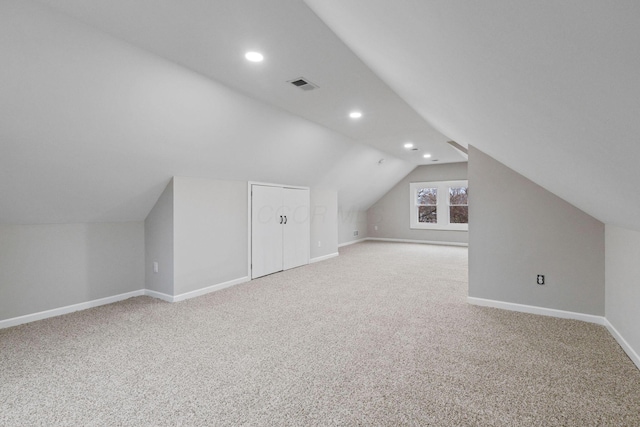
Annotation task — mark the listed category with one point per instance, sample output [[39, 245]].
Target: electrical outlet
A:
[[540, 279], [375, 227], [319, 244], [155, 266], [355, 233]]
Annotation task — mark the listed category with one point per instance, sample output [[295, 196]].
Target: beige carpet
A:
[[381, 335]]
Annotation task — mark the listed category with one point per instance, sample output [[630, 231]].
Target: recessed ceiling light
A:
[[355, 114], [408, 145], [254, 56], [426, 156]]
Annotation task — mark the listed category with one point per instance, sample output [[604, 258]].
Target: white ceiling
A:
[[101, 102], [211, 37], [92, 128], [549, 88]]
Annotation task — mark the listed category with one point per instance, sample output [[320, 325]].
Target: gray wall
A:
[[517, 230], [324, 222], [622, 254], [210, 232], [158, 236], [43, 267], [390, 214], [350, 220], [197, 232]]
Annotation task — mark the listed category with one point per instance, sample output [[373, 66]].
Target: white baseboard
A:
[[352, 242], [208, 289], [635, 358], [385, 239], [426, 242], [15, 321], [158, 295], [324, 257], [600, 320]]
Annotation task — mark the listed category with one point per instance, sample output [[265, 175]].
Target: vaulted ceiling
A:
[[101, 102], [549, 88]]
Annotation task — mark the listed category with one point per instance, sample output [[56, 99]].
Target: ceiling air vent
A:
[[303, 84]]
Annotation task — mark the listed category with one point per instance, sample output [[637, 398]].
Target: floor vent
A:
[[303, 84]]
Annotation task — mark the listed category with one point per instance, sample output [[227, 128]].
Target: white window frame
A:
[[442, 207]]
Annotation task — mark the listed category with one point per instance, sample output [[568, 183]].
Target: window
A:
[[459, 205], [428, 205], [440, 205]]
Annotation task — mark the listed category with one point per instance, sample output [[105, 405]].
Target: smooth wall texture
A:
[[350, 220], [43, 267], [518, 230], [93, 127], [390, 214], [550, 88], [324, 223], [622, 252], [210, 232], [158, 237]]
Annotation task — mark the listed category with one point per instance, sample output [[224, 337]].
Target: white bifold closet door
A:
[[266, 230], [295, 245], [279, 229]]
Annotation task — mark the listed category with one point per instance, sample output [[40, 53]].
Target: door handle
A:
[[285, 219], [280, 219]]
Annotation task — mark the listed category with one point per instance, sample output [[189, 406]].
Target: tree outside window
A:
[[439, 205], [428, 205], [458, 205]]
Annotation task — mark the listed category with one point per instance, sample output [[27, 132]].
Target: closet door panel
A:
[[266, 230], [296, 230]]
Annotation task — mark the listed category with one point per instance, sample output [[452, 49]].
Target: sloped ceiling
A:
[[102, 102], [93, 126], [211, 37], [549, 88]]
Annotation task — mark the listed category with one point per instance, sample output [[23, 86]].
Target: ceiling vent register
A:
[[304, 84]]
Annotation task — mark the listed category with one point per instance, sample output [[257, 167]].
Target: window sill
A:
[[436, 227]]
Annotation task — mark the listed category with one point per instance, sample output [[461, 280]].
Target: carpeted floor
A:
[[381, 335]]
